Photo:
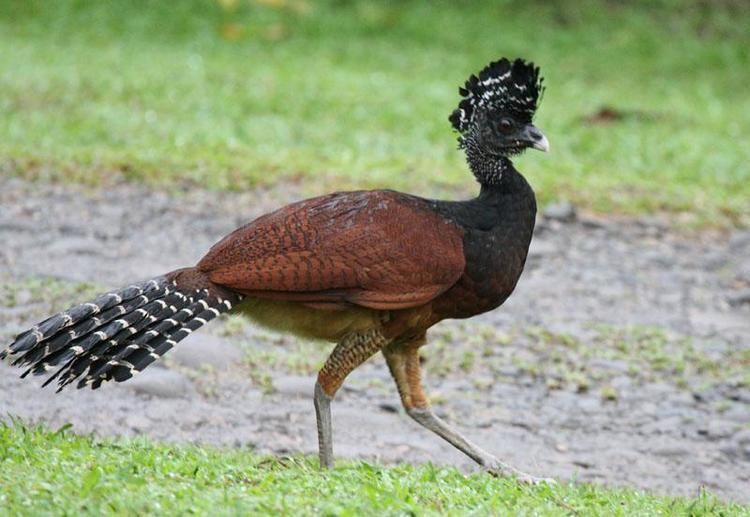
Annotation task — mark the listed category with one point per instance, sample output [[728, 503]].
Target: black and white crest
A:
[[515, 88]]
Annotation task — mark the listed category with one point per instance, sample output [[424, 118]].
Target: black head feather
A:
[[515, 88]]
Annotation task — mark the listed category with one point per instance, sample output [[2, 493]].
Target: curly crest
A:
[[515, 88]]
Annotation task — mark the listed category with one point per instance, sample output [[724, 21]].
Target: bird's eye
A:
[[505, 125]]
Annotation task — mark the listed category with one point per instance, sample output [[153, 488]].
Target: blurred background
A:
[[646, 108], [134, 134]]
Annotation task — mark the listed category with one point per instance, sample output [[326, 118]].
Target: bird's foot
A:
[[499, 469]]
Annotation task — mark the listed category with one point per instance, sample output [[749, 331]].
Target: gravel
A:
[[560, 211], [611, 415]]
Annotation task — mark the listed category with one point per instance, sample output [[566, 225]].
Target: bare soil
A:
[[623, 357]]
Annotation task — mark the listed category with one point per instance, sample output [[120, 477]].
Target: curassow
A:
[[369, 270]]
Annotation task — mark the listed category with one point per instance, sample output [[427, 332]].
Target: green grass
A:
[[46, 293], [44, 472], [341, 94], [588, 362], [558, 360]]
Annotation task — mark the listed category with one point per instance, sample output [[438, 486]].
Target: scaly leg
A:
[[352, 351], [403, 361]]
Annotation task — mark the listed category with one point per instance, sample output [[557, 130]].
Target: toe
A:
[[531, 480], [500, 469]]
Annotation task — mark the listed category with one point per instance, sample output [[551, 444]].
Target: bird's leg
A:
[[403, 361], [322, 403], [352, 351]]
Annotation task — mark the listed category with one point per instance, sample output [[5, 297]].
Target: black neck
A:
[[507, 202], [510, 188], [488, 169]]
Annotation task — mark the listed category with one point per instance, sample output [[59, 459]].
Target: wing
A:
[[377, 249]]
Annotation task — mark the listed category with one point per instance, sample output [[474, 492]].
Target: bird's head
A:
[[494, 117]]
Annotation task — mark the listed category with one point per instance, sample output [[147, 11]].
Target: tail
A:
[[121, 332]]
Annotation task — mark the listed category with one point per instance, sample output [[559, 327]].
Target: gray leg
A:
[[325, 433], [352, 351], [426, 418], [405, 369]]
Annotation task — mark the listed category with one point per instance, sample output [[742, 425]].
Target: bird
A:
[[370, 271]]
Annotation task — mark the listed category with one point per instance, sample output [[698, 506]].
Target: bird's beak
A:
[[534, 137]]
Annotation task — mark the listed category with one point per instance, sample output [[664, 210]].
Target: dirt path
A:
[[622, 358]]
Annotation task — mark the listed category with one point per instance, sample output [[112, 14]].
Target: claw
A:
[[500, 469], [527, 479]]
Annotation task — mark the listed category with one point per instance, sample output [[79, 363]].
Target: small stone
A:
[[743, 271], [649, 408], [202, 350], [713, 477], [713, 261], [593, 222], [740, 241], [296, 386], [731, 450], [742, 437], [560, 211], [583, 463], [738, 298], [658, 257], [673, 451], [160, 382], [72, 230], [651, 225], [589, 405], [388, 407], [507, 370], [734, 408], [23, 297], [664, 426], [718, 429], [612, 365], [17, 226], [541, 248], [75, 245], [137, 422], [621, 383]]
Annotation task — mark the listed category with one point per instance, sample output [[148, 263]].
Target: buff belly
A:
[[308, 321]]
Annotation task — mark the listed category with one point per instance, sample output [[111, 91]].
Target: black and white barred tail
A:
[[119, 333]]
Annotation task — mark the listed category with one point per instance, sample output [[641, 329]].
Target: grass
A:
[[48, 294], [644, 354], [341, 94], [39, 297], [42, 472]]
